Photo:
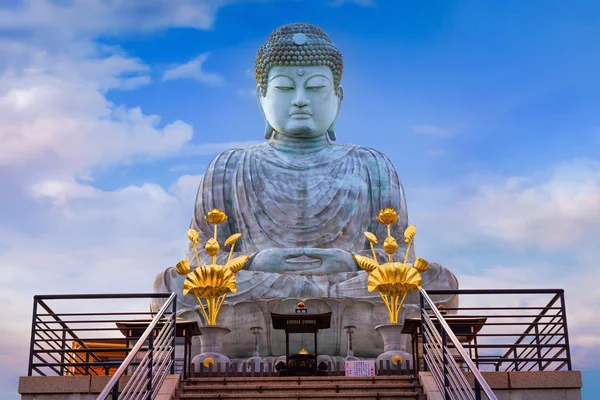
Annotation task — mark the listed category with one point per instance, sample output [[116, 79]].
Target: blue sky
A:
[[109, 115]]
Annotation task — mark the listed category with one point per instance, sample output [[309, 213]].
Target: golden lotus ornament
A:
[[392, 280], [211, 283], [215, 217], [387, 216]]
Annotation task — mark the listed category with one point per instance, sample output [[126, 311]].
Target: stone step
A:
[[277, 389], [306, 395], [301, 380]]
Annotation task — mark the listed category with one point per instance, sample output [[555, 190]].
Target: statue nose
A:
[[300, 99]]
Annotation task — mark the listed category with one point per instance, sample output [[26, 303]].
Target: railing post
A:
[[425, 368], [563, 309], [115, 391], [477, 390], [537, 342], [175, 338], [445, 360], [150, 365], [62, 356], [32, 342]]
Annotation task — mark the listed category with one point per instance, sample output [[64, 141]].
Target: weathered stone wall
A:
[[534, 385]]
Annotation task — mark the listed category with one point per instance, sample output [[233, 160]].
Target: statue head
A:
[[298, 82]]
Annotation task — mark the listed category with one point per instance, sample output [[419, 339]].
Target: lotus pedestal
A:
[[394, 346], [211, 347]]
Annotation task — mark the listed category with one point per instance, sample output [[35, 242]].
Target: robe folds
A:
[[281, 199]]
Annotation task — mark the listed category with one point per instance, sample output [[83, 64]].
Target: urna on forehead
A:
[[298, 45]]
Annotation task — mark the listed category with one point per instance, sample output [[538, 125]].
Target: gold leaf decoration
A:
[[232, 239], [390, 245], [409, 233], [210, 282], [212, 247], [193, 236], [366, 263], [421, 264], [303, 351], [394, 279], [183, 267], [371, 238], [387, 216], [216, 216], [237, 263]]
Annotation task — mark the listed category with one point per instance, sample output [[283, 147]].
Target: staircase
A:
[[291, 388]]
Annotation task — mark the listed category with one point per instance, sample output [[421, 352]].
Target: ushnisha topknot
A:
[[298, 44]]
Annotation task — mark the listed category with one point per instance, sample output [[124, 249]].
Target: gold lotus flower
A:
[[409, 233], [366, 263], [212, 247], [210, 282], [208, 361], [394, 279], [303, 351], [387, 216], [371, 238], [232, 239], [193, 236], [396, 360], [421, 265], [216, 216], [183, 267], [390, 245], [237, 263]]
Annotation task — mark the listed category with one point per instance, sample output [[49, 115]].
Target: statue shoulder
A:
[[230, 158], [368, 153]]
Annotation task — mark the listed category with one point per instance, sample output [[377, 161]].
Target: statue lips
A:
[[301, 114]]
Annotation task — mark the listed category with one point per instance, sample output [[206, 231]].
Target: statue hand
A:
[[272, 260], [331, 260], [302, 260]]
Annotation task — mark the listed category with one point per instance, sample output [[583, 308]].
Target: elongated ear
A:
[[331, 132], [331, 129], [268, 127]]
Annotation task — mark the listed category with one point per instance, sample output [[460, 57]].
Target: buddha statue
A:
[[301, 203]]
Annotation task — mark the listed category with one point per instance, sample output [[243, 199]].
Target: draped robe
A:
[[280, 198]]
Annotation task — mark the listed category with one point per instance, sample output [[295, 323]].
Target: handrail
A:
[[448, 334], [506, 336], [113, 383]]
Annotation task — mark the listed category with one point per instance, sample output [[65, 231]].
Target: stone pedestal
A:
[[394, 346], [211, 346]]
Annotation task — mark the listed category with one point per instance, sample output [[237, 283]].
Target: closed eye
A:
[[284, 88], [315, 87]]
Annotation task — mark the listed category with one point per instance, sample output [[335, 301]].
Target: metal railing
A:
[[157, 362], [439, 357], [92, 334], [511, 329]]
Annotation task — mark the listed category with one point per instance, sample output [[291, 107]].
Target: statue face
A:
[[300, 100]]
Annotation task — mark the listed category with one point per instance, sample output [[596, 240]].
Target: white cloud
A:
[[93, 17], [89, 241], [552, 209], [193, 70], [56, 127], [537, 231]]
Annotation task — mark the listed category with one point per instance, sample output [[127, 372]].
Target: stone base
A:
[[81, 387], [365, 315], [534, 385]]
